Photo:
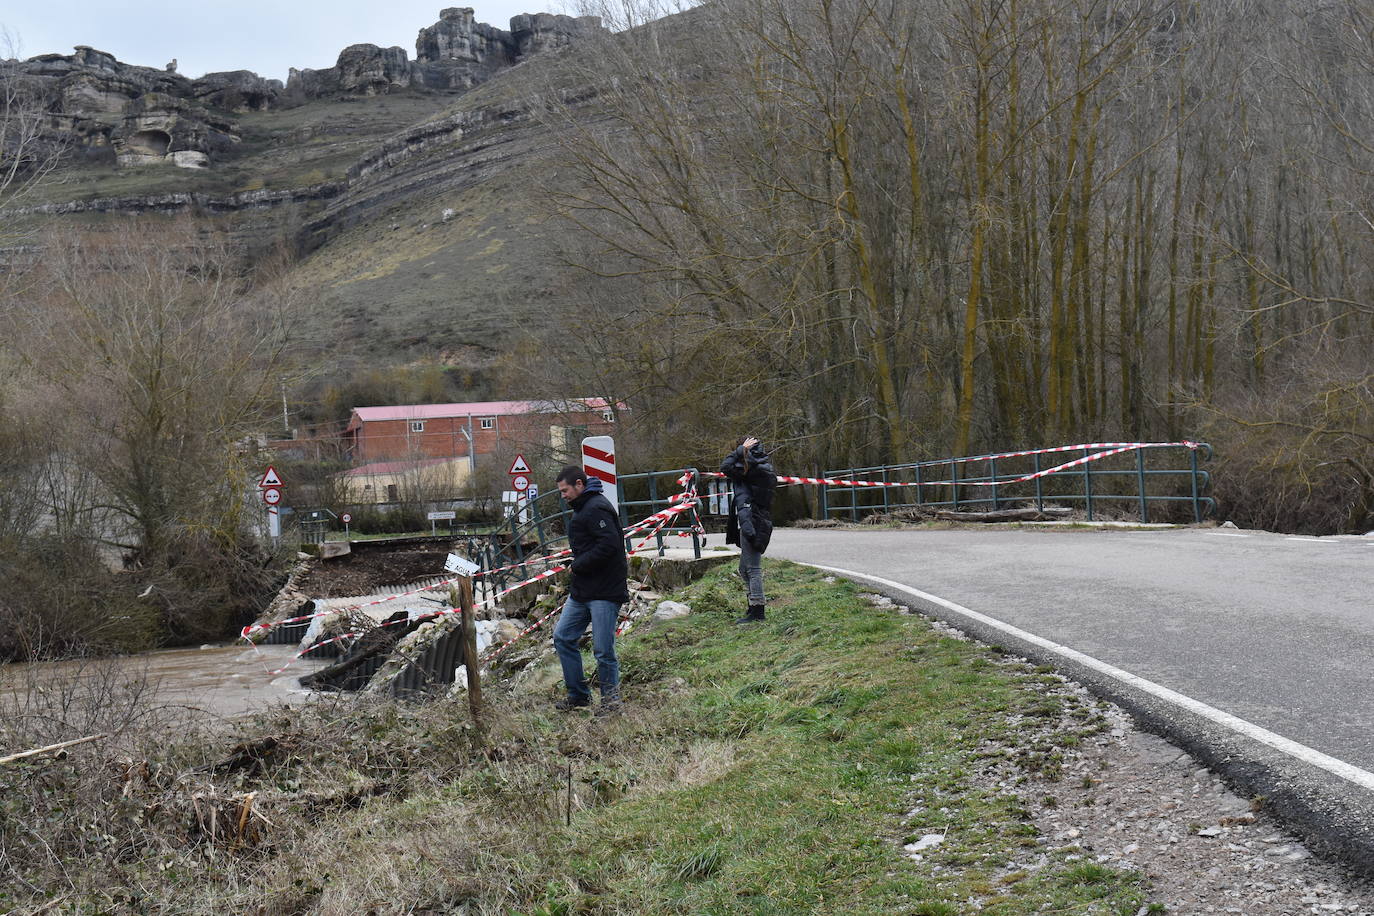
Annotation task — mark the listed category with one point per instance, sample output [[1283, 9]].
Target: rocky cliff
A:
[[415, 214], [110, 112]]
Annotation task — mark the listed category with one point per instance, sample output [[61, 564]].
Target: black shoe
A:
[[610, 706], [568, 703], [753, 615]]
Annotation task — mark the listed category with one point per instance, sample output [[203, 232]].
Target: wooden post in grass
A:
[[470, 660]]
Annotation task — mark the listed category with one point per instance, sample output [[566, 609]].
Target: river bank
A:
[[844, 756]]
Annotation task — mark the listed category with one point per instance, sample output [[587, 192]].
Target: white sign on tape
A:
[[460, 565], [442, 516]]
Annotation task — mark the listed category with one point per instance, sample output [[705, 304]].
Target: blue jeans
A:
[[603, 616]]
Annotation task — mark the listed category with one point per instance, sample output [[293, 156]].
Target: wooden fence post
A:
[[470, 659]]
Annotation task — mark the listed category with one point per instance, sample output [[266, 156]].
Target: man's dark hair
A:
[[571, 475]]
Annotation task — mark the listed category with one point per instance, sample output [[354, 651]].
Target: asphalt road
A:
[[1275, 630]]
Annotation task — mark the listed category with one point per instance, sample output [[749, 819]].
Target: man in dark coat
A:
[[597, 590], [750, 470]]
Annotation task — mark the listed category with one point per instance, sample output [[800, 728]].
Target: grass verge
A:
[[777, 768]]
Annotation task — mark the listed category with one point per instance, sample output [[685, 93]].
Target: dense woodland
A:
[[881, 230]]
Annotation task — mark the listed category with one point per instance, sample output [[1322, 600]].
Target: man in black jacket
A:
[[597, 590], [750, 471]]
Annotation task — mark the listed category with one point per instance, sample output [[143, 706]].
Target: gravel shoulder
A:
[[1131, 800]]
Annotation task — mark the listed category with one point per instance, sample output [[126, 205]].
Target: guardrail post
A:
[[825, 501], [1088, 484], [515, 537], [887, 507], [853, 496], [920, 490], [954, 483], [696, 513], [1039, 490], [992, 472], [1197, 506], [538, 524], [1140, 475]]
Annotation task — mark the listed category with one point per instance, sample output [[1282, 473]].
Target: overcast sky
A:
[[266, 37]]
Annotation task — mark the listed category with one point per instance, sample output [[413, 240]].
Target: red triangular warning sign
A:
[[518, 466], [270, 479]]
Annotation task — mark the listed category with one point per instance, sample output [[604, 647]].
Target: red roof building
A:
[[415, 432]]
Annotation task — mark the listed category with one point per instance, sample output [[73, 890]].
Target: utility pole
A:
[[285, 419]]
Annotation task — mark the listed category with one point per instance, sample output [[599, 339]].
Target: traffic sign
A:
[[271, 496], [347, 518], [269, 479], [598, 460], [520, 482], [518, 466]]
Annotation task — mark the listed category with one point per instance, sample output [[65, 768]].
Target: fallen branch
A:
[[51, 748]]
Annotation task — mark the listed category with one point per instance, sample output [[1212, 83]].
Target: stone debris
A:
[[671, 610], [929, 841]]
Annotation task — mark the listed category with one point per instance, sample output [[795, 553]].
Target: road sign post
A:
[[270, 485], [448, 515], [598, 460]]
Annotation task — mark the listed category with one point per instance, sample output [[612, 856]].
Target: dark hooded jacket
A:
[[599, 566], [751, 509]]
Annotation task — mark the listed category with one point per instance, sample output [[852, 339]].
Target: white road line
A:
[[1311, 540], [1226, 534], [1362, 778]]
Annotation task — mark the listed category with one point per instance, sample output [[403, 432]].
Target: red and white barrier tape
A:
[[1111, 449], [249, 631], [662, 518], [252, 629]]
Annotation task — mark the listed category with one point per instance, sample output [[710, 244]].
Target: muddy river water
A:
[[223, 681]]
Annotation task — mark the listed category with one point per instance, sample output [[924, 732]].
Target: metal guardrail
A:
[[539, 527], [995, 482]]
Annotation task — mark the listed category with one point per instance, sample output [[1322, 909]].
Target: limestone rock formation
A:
[[108, 111], [138, 114], [534, 33], [238, 90], [458, 53], [362, 69]]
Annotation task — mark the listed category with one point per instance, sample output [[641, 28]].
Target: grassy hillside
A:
[[773, 769], [387, 277]]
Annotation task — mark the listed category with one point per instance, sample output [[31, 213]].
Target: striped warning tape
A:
[[1109, 449], [661, 516], [251, 630]]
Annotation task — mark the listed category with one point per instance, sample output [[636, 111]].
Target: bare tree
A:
[[29, 148], [158, 360]]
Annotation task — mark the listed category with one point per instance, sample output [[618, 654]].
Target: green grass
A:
[[777, 768]]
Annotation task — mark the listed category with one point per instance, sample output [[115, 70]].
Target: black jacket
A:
[[599, 566], [751, 509]]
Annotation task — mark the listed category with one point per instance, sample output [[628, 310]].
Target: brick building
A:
[[418, 432]]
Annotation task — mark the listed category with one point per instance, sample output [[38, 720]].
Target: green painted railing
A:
[[1132, 476]]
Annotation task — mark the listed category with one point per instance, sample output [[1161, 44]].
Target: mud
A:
[[368, 569]]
